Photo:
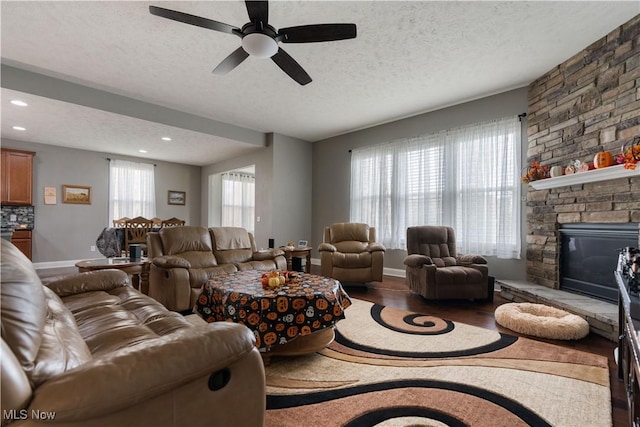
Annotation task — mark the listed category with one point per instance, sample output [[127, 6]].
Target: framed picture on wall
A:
[[76, 194], [177, 197]]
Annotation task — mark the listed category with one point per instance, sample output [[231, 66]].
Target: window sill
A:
[[612, 172]]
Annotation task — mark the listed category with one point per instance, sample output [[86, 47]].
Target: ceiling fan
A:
[[261, 40]]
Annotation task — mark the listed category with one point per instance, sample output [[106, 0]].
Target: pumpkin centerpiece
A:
[[603, 159]]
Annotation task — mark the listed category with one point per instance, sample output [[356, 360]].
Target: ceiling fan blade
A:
[[231, 62], [291, 67], [317, 33], [194, 20], [258, 11]]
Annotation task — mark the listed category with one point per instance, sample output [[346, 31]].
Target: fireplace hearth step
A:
[[601, 315]]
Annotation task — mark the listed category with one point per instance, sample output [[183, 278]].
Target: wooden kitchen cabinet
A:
[[22, 240], [17, 177]]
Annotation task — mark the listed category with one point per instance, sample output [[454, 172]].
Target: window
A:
[[467, 178], [132, 190], [238, 200]]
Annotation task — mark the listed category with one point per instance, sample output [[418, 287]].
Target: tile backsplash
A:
[[18, 217]]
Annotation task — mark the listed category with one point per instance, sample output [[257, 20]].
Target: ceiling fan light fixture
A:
[[259, 45], [261, 40]]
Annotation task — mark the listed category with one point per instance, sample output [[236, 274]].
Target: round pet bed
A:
[[542, 321]]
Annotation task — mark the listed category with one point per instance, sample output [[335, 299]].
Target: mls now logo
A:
[[23, 414]]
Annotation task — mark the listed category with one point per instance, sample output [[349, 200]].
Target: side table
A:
[[297, 252], [139, 270]]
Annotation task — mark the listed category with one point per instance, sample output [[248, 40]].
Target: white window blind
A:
[[238, 200], [132, 190], [467, 178]]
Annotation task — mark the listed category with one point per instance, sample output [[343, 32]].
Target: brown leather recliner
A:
[[184, 258], [89, 350], [235, 245], [182, 261], [435, 270], [350, 253]]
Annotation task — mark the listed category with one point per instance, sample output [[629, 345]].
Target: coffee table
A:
[[139, 269], [295, 318]]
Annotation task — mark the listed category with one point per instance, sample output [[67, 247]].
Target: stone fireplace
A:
[[587, 104]]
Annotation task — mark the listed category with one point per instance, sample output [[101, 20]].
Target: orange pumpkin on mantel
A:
[[603, 159]]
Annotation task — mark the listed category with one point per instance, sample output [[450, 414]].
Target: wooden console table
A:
[[629, 349]]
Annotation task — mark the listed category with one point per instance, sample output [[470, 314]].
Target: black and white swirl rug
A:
[[390, 367]]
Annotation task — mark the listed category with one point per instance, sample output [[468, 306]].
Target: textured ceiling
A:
[[408, 58]]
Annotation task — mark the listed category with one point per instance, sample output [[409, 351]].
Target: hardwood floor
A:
[[393, 292]]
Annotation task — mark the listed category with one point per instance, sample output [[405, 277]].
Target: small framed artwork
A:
[[302, 243], [76, 194], [177, 197]]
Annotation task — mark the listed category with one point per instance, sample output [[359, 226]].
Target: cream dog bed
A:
[[541, 321]]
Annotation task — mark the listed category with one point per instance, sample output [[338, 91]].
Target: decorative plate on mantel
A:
[[611, 172]]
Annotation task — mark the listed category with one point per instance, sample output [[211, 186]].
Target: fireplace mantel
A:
[[611, 172]]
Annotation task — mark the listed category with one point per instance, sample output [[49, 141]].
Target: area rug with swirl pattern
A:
[[390, 367]]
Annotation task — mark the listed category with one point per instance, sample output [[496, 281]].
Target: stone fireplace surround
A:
[[589, 103]]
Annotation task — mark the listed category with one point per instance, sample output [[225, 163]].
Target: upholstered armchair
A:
[[235, 245], [350, 253], [435, 270], [182, 261]]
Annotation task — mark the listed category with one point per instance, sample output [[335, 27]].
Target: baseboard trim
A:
[[394, 272]]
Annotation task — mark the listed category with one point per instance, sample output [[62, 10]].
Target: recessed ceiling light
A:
[[19, 128], [142, 151], [166, 138], [19, 103]]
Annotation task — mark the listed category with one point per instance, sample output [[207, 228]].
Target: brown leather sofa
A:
[[350, 253], [235, 245], [435, 270], [89, 350], [184, 258]]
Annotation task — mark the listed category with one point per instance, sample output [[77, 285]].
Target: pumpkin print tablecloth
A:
[[305, 304]]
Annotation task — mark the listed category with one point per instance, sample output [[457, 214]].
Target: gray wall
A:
[[292, 167], [331, 166], [283, 188], [300, 186], [262, 159], [65, 232]]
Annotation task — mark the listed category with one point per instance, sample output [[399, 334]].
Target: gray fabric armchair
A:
[[350, 253], [435, 270]]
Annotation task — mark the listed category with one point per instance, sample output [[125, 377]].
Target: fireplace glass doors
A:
[[589, 256]]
